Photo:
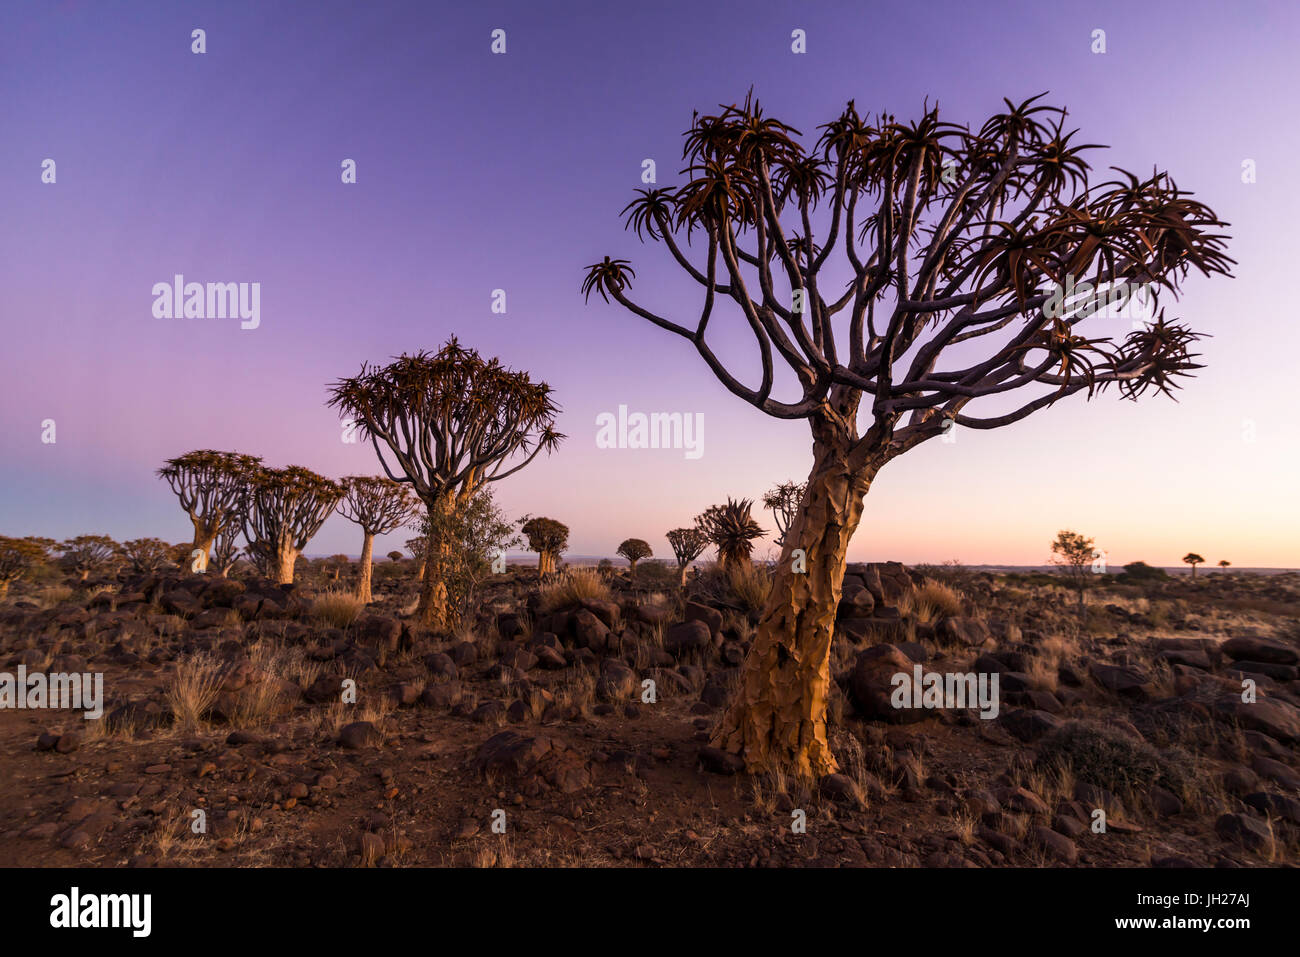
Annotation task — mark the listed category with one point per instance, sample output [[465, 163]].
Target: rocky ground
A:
[[231, 737]]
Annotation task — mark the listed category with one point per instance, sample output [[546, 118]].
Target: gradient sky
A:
[[478, 172]]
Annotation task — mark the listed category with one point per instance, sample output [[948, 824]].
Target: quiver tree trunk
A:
[[367, 552], [777, 716], [545, 563], [432, 609], [283, 558], [204, 536]]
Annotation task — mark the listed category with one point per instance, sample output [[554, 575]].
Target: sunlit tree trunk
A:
[[367, 551], [284, 557], [432, 610], [204, 536], [777, 717]]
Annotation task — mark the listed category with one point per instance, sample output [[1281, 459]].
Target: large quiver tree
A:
[[948, 244], [451, 422]]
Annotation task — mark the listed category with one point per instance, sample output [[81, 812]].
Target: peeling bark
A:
[[432, 609], [777, 717]]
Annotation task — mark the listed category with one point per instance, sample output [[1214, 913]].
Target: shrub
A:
[[936, 600], [750, 585], [571, 588], [1109, 758], [1135, 573], [193, 689], [337, 608]]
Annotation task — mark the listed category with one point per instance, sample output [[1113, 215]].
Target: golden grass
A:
[[750, 584], [52, 595], [337, 608], [571, 588], [934, 600], [193, 689]]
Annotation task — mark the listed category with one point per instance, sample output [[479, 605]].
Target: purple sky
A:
[[478, 172]]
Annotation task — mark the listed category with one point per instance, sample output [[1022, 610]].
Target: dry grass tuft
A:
[[572, 588], [336, 608], [750, 584], [935, 600], [193, 689]]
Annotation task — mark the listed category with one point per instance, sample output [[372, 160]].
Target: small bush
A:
[[571, 588], [1136, 573], [193, 689], [337, 608], [658, 576], [750, 585], [936, 600], [1109, 758]]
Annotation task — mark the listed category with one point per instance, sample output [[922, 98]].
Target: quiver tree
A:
[[418, 547], [145, 556], [783, 501], [210, 486], [1193, 559], [379, 505], [1224, 564], [225, 547], [687, 544], [548, 538], [285, 509], [634, 549], [87, 553], [948, 242], [18, 557], [394, 556], [732, 529], [335, 565], [451, 422]]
